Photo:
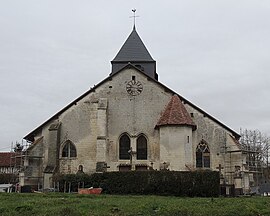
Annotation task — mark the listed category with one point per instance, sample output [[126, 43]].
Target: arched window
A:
[[124, 147], [202, 155], [80, 169], [141, 148], [69, 150]]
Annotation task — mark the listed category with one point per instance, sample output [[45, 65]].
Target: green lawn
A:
[[74, 204]]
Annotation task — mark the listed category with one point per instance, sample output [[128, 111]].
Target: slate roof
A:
[[7, 159], [133, 50], [175, 113]]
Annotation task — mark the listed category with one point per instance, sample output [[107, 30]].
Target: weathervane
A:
[[134, 16]]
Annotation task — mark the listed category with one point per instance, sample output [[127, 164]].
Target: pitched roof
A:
[[30, 136], [133, 50], [175, 114], [7, 159]]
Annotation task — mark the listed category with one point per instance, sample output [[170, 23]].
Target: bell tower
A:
[[134, 51]]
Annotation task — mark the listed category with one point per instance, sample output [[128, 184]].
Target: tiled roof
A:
[[7, 159], [175, 114], [133, 50]]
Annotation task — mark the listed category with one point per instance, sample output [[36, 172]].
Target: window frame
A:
[[122, 155], [69, 149], [203, 156], [142, 151]]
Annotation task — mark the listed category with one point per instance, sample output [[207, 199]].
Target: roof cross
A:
[[134, 16]]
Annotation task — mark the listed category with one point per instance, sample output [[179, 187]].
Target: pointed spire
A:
[[175, 113], [133, 49], [134, 52]]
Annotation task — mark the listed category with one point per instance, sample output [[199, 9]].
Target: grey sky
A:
[[213, 53]]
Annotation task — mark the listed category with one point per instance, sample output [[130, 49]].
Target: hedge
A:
[[6, 178], [176, 183]]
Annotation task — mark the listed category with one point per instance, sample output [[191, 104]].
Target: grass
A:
[[73, 204]]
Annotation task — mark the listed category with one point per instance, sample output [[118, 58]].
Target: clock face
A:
[[134, 87]]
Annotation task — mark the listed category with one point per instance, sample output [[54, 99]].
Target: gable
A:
[[123, 76]]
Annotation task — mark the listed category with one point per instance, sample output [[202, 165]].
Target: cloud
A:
[[214, 53]]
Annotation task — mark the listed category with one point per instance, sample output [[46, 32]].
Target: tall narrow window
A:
[[141, 148], [69, 150], [202, 155], [124, 147]]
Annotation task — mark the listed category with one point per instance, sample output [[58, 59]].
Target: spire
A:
[[133, 50], [175, 114]]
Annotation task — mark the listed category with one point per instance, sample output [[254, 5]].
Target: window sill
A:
[[204, 168], [68, 158]]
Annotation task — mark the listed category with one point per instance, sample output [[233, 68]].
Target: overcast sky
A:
[[213, 53]]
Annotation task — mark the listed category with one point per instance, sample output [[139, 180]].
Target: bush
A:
[[6, 178], [198, 183]]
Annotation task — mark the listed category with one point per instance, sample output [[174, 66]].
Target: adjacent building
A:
[[9, 163]]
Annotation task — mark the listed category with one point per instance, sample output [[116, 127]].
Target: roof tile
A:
[[176, 114], [7, 159]]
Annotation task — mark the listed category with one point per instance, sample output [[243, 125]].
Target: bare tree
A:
[[257, 146]]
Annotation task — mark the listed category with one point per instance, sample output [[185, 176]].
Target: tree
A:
[[257, 146]]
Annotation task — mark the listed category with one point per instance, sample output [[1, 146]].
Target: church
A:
[[131, 121]]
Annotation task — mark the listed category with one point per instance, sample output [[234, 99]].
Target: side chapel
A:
[[131, 121]]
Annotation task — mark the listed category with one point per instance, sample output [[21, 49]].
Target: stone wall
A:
[[86, 125], [175, 147], [95, 123]]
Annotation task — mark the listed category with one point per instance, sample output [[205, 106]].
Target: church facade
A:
[[131, 121]]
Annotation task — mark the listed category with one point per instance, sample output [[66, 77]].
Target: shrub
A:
[[197, 183], [6, 178]]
